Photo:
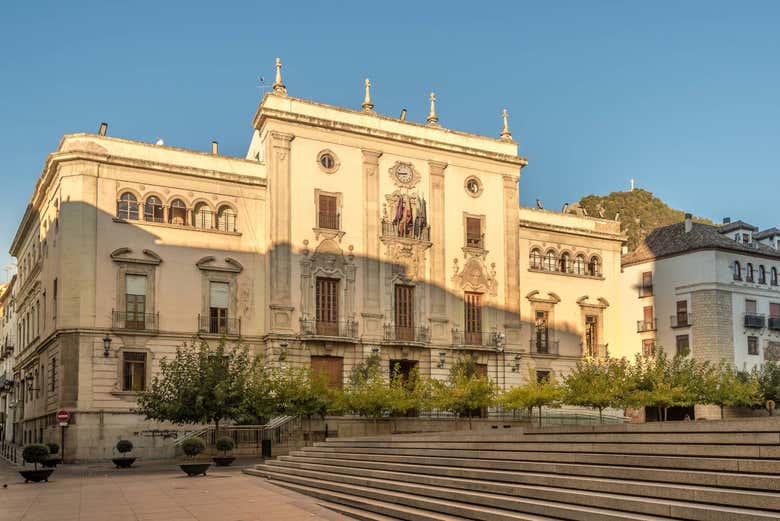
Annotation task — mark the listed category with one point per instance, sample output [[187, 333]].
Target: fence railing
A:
[[543, 346], [755, 320], [278, 430], [135, 321], [406, 334], [475, 338], [681, 320], [329, 221], [341, 328], [646, 325], [420, 233], [595, 351], [219, 326], [11, 452]]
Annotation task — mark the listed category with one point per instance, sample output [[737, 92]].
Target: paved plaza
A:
[[151, 492]]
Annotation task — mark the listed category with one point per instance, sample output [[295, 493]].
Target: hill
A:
[[640, 212]]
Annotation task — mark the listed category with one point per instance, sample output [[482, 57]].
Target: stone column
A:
[[280, 254], [511, 260], [372, 272], [438, 288]]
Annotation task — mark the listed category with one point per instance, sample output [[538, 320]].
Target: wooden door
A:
[[473, 318], [327, 301], [330, 369], [404, 312]]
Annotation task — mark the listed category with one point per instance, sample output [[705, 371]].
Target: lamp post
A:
[[106, 346]]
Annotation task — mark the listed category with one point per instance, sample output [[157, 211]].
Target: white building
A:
[[7, 343]]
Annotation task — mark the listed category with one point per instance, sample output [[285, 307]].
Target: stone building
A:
[[342, 234], [7, 342]]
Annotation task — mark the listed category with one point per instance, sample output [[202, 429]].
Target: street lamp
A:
[[106, 345]]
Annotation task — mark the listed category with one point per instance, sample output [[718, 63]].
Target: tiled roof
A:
[[737, 225], [769, 232], [672, 240]]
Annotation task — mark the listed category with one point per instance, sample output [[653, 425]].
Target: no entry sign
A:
[[63, 417]]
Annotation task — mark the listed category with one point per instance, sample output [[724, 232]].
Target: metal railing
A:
[[135, 321], [646, 325], [6, 382], [755, 320], [406, 334], [219, 326], [329, 221], [341, 328], [278, 430], [595, 351], [774, 323], [475, 338], [420, 233], [11, 452], [646, 291], [547, 347], [681, 320]]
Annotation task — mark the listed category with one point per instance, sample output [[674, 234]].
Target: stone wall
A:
[[712, 326]]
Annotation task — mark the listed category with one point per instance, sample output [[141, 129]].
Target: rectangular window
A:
[[135, 301], [647, 319], [404, 312], [219, 295], [753, 345], [648, 347], [134, 372], [541, 339], [472, 317], [646, 289], [327, 301], [745, 238], [682, 312], [750, 306], [683, 345], [591, 335], [328, 217], [54, 300], [542, 376], [774, 310], [53, 378], [474, 232]]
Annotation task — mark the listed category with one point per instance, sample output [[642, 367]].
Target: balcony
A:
[[595, 351], [394, 333], [329, 221], [681, 320], [6, 382], [129, 321], [8, 350], [646, 291], [544, 347], [336, 329], [477, 338], [417, 233], [755, 320], [774, 323], [219, 326], [642, 326]]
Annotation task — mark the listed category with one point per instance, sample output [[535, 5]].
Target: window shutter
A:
[[135, 284], [473, 228], [219, 292]]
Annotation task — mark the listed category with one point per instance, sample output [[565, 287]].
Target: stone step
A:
[[470, 505], [733, 480], [673, 449], [507, 496], [364, 515], [752, 466], [657, 490], [400, 506]]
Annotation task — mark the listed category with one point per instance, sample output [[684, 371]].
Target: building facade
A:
[[7, 342], [342, 234]]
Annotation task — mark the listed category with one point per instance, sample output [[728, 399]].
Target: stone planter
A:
[[36, 476], [223, 461], [123, 463], [195, 469]]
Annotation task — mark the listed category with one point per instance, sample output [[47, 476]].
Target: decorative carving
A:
[[475, 276], [408, 259], [118, 255], [207, 264]]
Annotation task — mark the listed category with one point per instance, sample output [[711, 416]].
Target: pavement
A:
[[150, 492]]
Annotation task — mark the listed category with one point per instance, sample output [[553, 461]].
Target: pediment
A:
[[123, 255]]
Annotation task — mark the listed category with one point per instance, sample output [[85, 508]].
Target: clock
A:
[[404, 173]]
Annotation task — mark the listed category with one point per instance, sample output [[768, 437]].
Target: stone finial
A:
[[367, 105], [505, 134], [278, 85], [433, 119]]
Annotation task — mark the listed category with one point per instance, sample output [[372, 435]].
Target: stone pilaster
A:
[[372, 273], [511, 260], [280, 254], [438, 287]]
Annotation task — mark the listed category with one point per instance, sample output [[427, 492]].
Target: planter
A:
[[51, 462], [223, 461], [123, 463], [36, 475], [194, 469]]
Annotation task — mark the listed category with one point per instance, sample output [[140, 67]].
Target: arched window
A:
[[761, 274], [737, 270], [550, 261], [127, 206], [564, 264], [535, 259], [177, 213], [153, 210], [773, 276], [749, 272], [226, 219], [579, 265], [202, 216], [594, 268]]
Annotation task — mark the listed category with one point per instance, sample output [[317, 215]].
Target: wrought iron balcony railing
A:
[[219, 326], [755, 320], [329, 221], [595, 351], [643, 326], [419, 233], [341, 328], [135, 321], [477, 338], [394, 333], [681, 320], [774, 323], [540, 346]]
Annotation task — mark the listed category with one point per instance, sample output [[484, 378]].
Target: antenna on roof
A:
[[539, 204], [565, 207]]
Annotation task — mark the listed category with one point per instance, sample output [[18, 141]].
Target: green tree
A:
[[598, 384], [768, 380], [464, 392], [298, 392], [367, 393], [663, 383], [726, 387], [201, 384], [535, 392]]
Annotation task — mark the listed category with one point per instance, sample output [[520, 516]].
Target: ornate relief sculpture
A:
[[475, 276], [405, 215]]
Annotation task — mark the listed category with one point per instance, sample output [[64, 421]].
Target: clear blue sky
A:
[[681, 96]]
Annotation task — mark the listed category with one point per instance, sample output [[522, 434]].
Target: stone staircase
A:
[[708, 471]]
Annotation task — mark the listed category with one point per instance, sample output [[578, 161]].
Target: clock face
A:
[[403, 173]]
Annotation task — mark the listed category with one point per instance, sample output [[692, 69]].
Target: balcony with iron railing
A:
[[417, 233], [219, 325], [394, 333], [329, 221], [681, 320], [774, 323], [6, 382], [476, 338], [547, 347], [326, 328], [643, 326], [595, 351], [755, 320], [131, 321]]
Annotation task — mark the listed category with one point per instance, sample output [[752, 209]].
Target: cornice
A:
[[572, 231], [703, 248]]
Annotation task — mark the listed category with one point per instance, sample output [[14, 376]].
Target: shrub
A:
[[193, 446], [124, 446], [54, 448], [35, 453], [225, 444]]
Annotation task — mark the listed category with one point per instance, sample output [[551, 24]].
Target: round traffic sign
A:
[[63, 416]]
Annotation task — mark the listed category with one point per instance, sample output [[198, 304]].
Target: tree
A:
[[726, 387], [464, 392], [367, 393], [535, 392], [662, 383], [201, 384], [297, 392], [768, 381], [598, 384]]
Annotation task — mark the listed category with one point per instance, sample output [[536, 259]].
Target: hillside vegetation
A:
[[640, 212]]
